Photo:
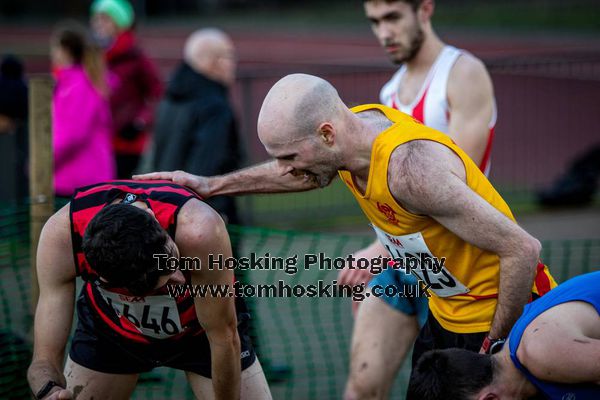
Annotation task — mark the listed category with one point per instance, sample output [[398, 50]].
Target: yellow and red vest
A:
[[465, 291]]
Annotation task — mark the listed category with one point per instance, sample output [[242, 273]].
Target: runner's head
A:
[[452, 374], [400, 25], [120, 243], [299, 124]]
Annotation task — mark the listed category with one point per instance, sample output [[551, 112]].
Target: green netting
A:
[[15, 312], [311, 336]]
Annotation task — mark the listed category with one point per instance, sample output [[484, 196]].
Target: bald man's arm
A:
[[268, 177]]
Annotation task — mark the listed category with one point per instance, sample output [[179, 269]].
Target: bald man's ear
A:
[[326, 133]]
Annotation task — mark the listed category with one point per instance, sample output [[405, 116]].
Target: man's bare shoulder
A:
[[467, 67], [55, 263], [197, 222], [417, 160], [468, 74], [545, 331], [417, 172], [571, 330], [58, 227]]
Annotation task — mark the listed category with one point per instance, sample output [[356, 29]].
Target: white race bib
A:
[[413, 247], [154, 316]]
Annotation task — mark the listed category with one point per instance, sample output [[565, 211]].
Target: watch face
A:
[[496, 346]]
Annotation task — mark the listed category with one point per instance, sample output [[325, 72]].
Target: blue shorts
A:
[[417, 306]]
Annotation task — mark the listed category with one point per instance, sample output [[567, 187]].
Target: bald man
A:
[[425, 198], [196, 128]]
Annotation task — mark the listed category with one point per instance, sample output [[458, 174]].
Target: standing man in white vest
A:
[[449, 90]]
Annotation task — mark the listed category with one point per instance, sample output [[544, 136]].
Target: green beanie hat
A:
[[119, 10]]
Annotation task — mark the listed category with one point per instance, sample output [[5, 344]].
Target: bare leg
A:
[[381, 338], [254, 384], [87, 384]]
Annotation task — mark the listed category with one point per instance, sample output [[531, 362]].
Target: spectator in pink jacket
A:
[[81, 119]]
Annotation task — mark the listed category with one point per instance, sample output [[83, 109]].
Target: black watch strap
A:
[[496, 345], [43, 392]]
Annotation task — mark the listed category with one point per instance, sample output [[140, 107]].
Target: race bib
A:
[[412, 252], [154, 316]]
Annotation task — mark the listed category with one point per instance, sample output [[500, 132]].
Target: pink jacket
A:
[[82, 133]]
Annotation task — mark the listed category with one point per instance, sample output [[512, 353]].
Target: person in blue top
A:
[[552, 352]]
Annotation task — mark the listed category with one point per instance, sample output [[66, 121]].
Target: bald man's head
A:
[[211, 52], [298, 123], [296, 106]]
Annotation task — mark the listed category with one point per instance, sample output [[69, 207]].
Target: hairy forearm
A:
[[42, 371], [261, 178], [517, 274], [226, 368]]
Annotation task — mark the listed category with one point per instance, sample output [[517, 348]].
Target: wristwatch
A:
[[492, 346], [43, 392]]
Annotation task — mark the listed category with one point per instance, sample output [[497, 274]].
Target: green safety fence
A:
[[334, 207], [303, 342]]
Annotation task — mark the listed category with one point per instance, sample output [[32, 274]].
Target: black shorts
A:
[[96, 347], [434, 337]]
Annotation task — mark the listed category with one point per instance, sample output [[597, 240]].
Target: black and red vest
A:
[[143, 319]]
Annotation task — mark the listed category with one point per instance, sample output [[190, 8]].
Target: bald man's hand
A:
[[267, 177], [199, 184]]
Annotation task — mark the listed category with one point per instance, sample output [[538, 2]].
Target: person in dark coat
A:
[[196, 127]]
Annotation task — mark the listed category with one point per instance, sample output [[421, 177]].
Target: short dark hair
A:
[[413, 3], [120, 242], [451, 374]]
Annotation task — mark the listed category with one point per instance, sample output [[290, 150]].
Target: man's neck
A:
[[430, 50], [510, 380], [368, 125]]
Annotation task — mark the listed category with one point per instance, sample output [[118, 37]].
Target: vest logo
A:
[[569, 396], [129, 198], [245, 353], [388, 212], [394, 240]]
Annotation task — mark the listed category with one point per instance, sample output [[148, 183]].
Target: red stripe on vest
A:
[[118, 185], [488, 151], [487, 296], [394, 105], [418, 112], [542, 282]]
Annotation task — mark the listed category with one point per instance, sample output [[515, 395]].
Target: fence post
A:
[[40, 166]]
